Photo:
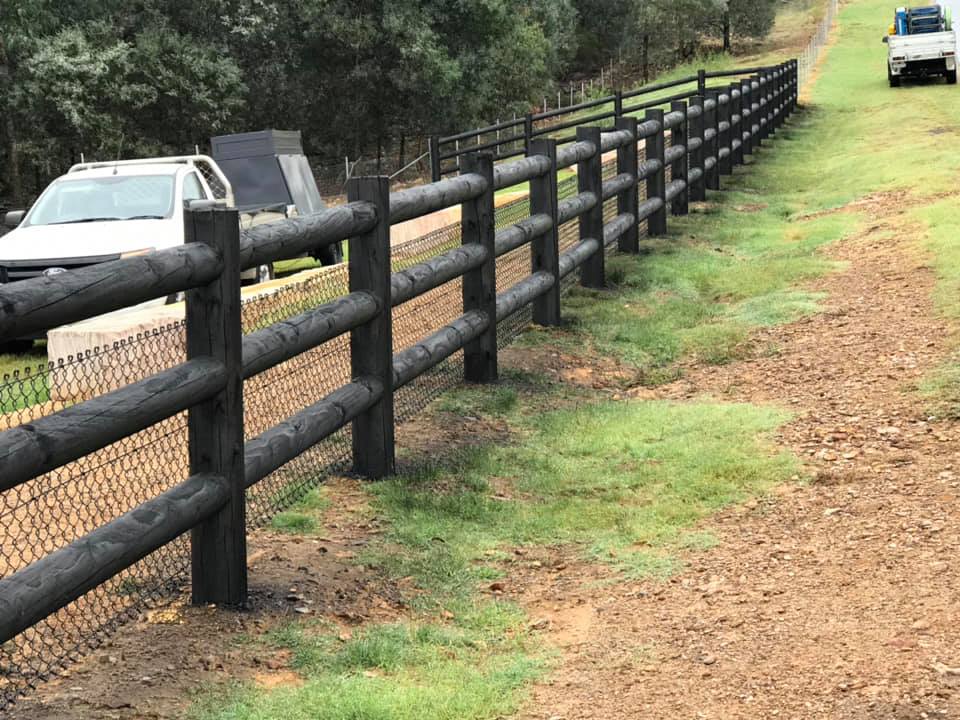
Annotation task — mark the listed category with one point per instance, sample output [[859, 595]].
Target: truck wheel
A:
[[15, 347], [894, 79], [329, 255], [951, 77]]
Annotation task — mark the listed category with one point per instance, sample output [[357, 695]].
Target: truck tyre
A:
[[894, 79], [329, 255], [951, 77], [15, 347]]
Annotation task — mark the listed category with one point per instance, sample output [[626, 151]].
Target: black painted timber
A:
[[590, 180], [371, 344], [545, 249], [215, 426], [480, 284]]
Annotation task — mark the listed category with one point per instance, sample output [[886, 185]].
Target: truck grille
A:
[[13, 270]]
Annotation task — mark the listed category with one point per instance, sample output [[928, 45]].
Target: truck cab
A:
[[98, 213], [921, 43]]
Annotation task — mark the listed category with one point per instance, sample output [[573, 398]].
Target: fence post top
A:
[[480, 163], [628, 123], [590, 133], [654, 113], [542, 146]]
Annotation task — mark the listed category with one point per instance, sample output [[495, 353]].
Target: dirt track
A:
[[838, 598]]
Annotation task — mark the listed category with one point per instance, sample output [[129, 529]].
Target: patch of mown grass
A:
[[691, 297], [622, 480], [485, 400], [303, 516], [472, 667]]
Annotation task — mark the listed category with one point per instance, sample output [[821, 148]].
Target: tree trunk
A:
[[726, 30], [645, 58], [14, 179], [9, 132]]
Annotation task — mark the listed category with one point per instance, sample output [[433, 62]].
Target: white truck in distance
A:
[[921, 43]]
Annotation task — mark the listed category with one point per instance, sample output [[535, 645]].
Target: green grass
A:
[[303, 516], [622, 481], [700, 291], [21, 385], [395, 671]]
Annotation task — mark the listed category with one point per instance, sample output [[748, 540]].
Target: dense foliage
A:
[[117, 78]]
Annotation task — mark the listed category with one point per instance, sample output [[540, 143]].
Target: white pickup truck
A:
[[104, 211], [107, 210], [921, 44]]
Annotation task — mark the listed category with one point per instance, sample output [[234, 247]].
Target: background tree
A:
[[111, 77]]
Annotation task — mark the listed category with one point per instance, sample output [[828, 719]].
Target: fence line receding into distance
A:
[[658, 163]]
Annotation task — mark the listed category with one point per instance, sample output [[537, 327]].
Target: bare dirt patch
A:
[[835, 598]]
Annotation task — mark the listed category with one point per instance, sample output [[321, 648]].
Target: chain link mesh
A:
[[811, 54]]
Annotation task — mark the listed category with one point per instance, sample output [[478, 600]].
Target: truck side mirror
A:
[[886, 39], [13, 218]]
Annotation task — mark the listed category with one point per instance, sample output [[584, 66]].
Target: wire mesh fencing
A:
[[811, 54], [52, 510]]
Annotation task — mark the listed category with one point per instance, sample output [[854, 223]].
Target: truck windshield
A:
[[117, 197]]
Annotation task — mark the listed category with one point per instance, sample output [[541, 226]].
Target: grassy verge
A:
[[619, 483], [897, 141], [693, 299]]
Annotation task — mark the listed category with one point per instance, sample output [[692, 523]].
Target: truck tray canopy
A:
[[267, 169]]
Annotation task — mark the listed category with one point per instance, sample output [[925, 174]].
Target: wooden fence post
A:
[[701, 82], [736, 124], [725, 165], [768, 98], [756, 99], [746, 112], [527, 132], [657, 182], [590, 179], [698, 189], [776, 97], [795, 79], [480, 284], [680, 168], [371, 345], [712, 176], [627, 201], [436, 173], [545, 250], [215, 427]]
